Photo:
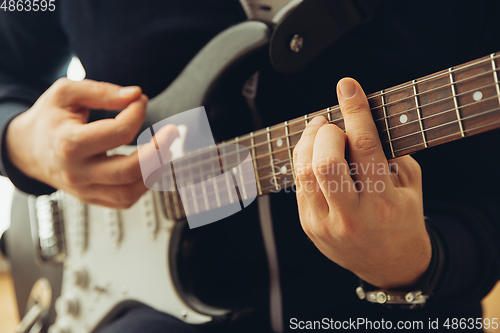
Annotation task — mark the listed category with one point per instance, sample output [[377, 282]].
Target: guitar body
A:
[[117, 259]]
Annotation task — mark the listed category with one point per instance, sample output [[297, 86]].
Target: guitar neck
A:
[[451, 104]]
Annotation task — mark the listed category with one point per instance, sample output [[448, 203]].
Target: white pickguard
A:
[[123, 256]]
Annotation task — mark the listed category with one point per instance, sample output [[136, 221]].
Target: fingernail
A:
[[128, 91], [347, 87], [319, 120]]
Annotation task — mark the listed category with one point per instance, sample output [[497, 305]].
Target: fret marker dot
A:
[[279, 142], [477, 96], [283, 170], [403, 119]]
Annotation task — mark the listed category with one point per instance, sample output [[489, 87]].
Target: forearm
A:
[[8, 111]]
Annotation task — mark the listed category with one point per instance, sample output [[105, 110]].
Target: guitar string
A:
[[336, 108], [394, 139], [402, 112], [428, 129], [412, 96], [432, 77], [271, 188], [195, 179]]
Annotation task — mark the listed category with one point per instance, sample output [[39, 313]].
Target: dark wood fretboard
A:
[[458, 102]]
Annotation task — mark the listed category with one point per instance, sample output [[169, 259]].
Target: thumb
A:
[[94, 95]]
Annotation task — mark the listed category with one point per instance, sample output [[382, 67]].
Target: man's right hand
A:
[[53, 143]]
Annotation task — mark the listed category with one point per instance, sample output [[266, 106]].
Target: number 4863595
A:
[[28, 5]]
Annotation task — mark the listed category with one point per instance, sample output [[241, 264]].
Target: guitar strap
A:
[[319, 23], [266, 223], [316, 24]]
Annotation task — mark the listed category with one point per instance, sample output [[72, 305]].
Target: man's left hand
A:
[[366, 214]]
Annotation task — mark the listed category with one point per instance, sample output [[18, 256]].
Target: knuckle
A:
[[322, 167], [60, 87], [70, 178], [319, 230], [304, 173], [99, 88], [366, 144], [126, 198], [328, 166], [68, 148], [354, 108]]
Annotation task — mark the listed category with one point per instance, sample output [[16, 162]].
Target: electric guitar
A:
[[114, 259]]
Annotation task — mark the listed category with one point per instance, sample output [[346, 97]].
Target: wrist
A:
[[15, 151], [414, 295]]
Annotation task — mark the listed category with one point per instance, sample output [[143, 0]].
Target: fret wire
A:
[[419, 114], [382, 98], [271, 157], [424, 92], [182, 191], [329, 115], [252, 142], [439, 101], [453, 121], [455, 101], [305, 117], [244, 190], [203, 186], [289, 146], [495, 75], [229, 186], [449, 110], [432, 103], [204, 191], [437, 76], [466, 130], [193, 192], [214, 181]]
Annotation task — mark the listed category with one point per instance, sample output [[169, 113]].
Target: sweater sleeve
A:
[[469, 233], [33, 53]]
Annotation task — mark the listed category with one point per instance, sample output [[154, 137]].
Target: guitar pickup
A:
[[47, 228]]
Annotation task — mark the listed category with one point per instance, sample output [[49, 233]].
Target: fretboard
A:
[[458, 102]]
